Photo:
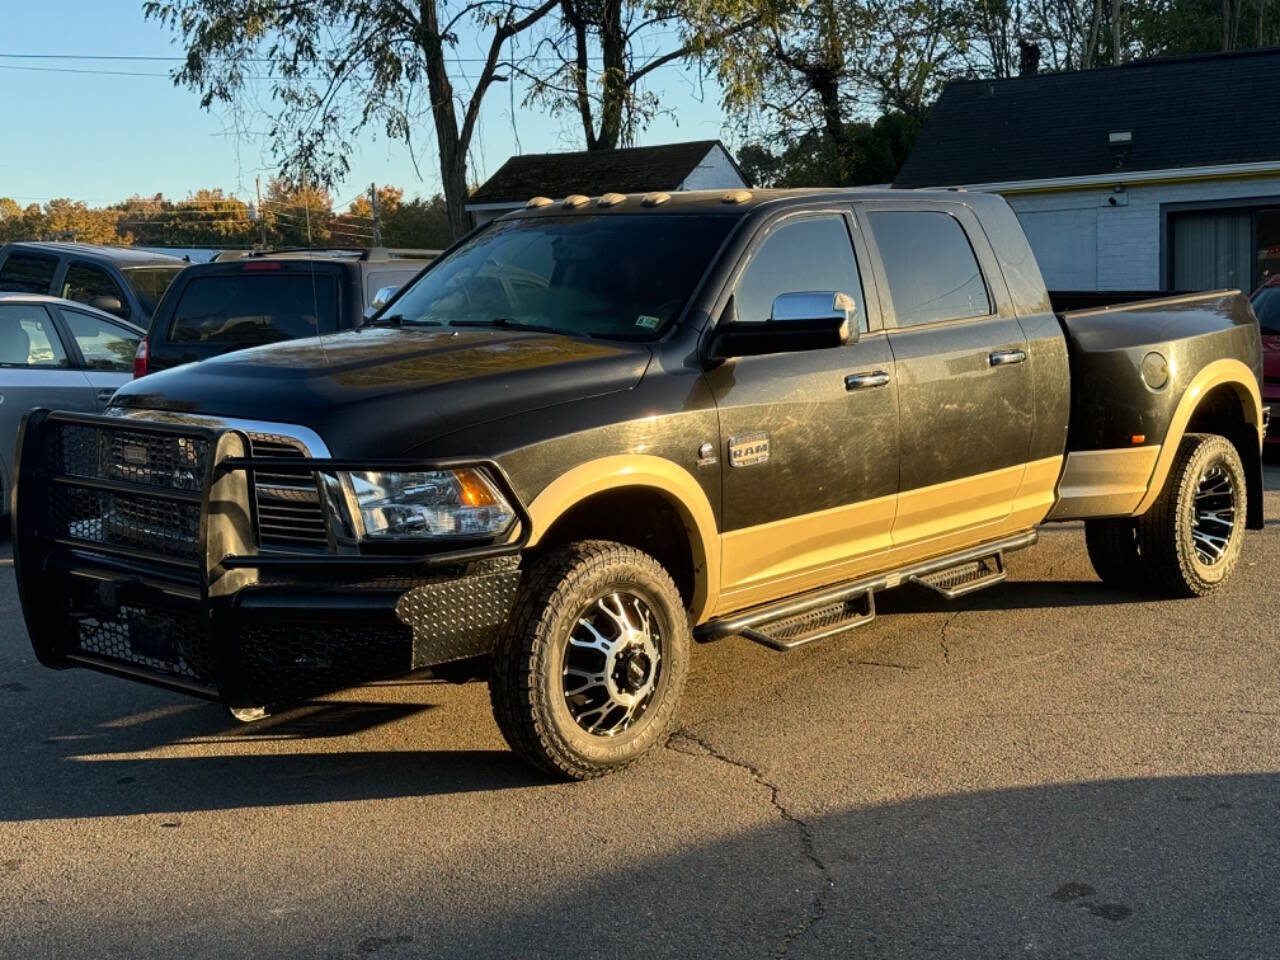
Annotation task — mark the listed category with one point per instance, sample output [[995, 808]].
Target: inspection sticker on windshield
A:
[[649, 323]]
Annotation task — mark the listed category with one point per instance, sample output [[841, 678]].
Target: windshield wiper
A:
[[399, 320], [506, 323]]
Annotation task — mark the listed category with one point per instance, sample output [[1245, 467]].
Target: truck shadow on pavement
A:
[[191, 756]]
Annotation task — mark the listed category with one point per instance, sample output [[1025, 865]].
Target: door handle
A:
[[861, 381], [1003, 358], [105, 395]]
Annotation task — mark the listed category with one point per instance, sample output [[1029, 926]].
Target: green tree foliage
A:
[[594, 57], [343, 68], [812, 160]]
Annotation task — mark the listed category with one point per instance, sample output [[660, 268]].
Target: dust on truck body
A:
[[594, 432]]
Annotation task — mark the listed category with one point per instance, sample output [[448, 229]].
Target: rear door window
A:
[[931, 268], [104, 345], [86, 283], [28, 273], [255, 307], [28, 338]]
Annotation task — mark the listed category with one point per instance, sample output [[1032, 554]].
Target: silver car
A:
[[57, 354]]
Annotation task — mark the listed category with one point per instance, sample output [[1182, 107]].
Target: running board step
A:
[[789, 632], [965, 578]]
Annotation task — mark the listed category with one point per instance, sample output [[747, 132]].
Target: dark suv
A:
[[267, 297], [119, 280]]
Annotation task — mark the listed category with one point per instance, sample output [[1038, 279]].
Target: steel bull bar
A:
[[137, 553]]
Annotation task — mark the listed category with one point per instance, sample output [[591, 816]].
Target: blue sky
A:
[[103, 137]]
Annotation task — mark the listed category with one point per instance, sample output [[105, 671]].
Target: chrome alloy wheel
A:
[[1213, 514], [612, 664]]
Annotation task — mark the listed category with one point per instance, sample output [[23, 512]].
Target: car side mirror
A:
[[110, 305], [800, 321], [379, 300]]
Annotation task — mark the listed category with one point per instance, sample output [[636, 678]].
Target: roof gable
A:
[[1181, 112], [630, 170]]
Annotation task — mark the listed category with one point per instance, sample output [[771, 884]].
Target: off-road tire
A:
[[526, 680], [1112, 543], [1169, 559]]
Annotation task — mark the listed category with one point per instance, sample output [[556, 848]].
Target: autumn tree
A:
[[342, 68]]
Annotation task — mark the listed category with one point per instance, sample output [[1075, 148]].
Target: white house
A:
[[696, 165], [1154, 175]]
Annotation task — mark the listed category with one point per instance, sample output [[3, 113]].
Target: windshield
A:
[[1266, 304], [150, 283], [621, 277]]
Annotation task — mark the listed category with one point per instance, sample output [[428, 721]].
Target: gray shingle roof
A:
[[1182, 112], [557, 175]]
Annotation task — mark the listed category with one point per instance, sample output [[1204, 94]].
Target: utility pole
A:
[[262, 220], [377, 220]]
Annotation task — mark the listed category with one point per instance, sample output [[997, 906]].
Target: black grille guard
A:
[[227, 456]]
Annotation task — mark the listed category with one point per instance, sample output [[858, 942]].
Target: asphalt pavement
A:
[[1044, 769]]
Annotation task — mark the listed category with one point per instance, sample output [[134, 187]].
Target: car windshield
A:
[[613, 276], [150, 283], [1266, 304]]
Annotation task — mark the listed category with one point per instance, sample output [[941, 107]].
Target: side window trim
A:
[[871, 306], [75, 359], [988, 266]]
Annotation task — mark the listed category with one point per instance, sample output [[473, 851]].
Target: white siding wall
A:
[[715, 172], [1082, 242]]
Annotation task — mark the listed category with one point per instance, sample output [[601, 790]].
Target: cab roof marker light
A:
[[736, 196], [538, 202], [611, 199], [655, 199], [575, 200]]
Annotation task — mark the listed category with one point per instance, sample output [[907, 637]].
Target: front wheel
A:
[[1191, 537], [588, 671]]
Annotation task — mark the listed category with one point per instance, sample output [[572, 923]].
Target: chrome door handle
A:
[[861, 381], [1002, 358], [104, 396]]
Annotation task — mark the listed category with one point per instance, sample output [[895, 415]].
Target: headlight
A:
[[438, 503]]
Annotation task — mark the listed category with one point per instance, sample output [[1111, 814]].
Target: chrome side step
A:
[[795, 621], [965, 578]]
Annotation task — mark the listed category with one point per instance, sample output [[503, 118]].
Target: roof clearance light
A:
[[736, 196], [536, 202], [658, 199], [611, 199], [575, 200]]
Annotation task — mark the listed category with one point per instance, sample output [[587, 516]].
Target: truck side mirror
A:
[[811, 320], [380, 300], [110, 305]]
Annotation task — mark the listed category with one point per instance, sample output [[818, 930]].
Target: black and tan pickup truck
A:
[[599, 430]]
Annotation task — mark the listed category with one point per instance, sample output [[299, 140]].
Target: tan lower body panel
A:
[[787, 557], [1104, 483]]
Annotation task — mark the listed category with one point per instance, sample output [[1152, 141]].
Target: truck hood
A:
[[380, 391]]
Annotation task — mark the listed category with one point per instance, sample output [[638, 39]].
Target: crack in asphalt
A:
[[818, 909]]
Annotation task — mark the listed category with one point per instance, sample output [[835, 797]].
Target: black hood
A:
[[380, 391]]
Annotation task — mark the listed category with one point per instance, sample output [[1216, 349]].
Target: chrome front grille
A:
[[291, 514]]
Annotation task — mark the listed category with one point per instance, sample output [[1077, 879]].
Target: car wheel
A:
[[1191, 537], [1112, 544], [589, 669]]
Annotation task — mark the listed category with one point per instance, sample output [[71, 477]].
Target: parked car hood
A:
[[380, 391]]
